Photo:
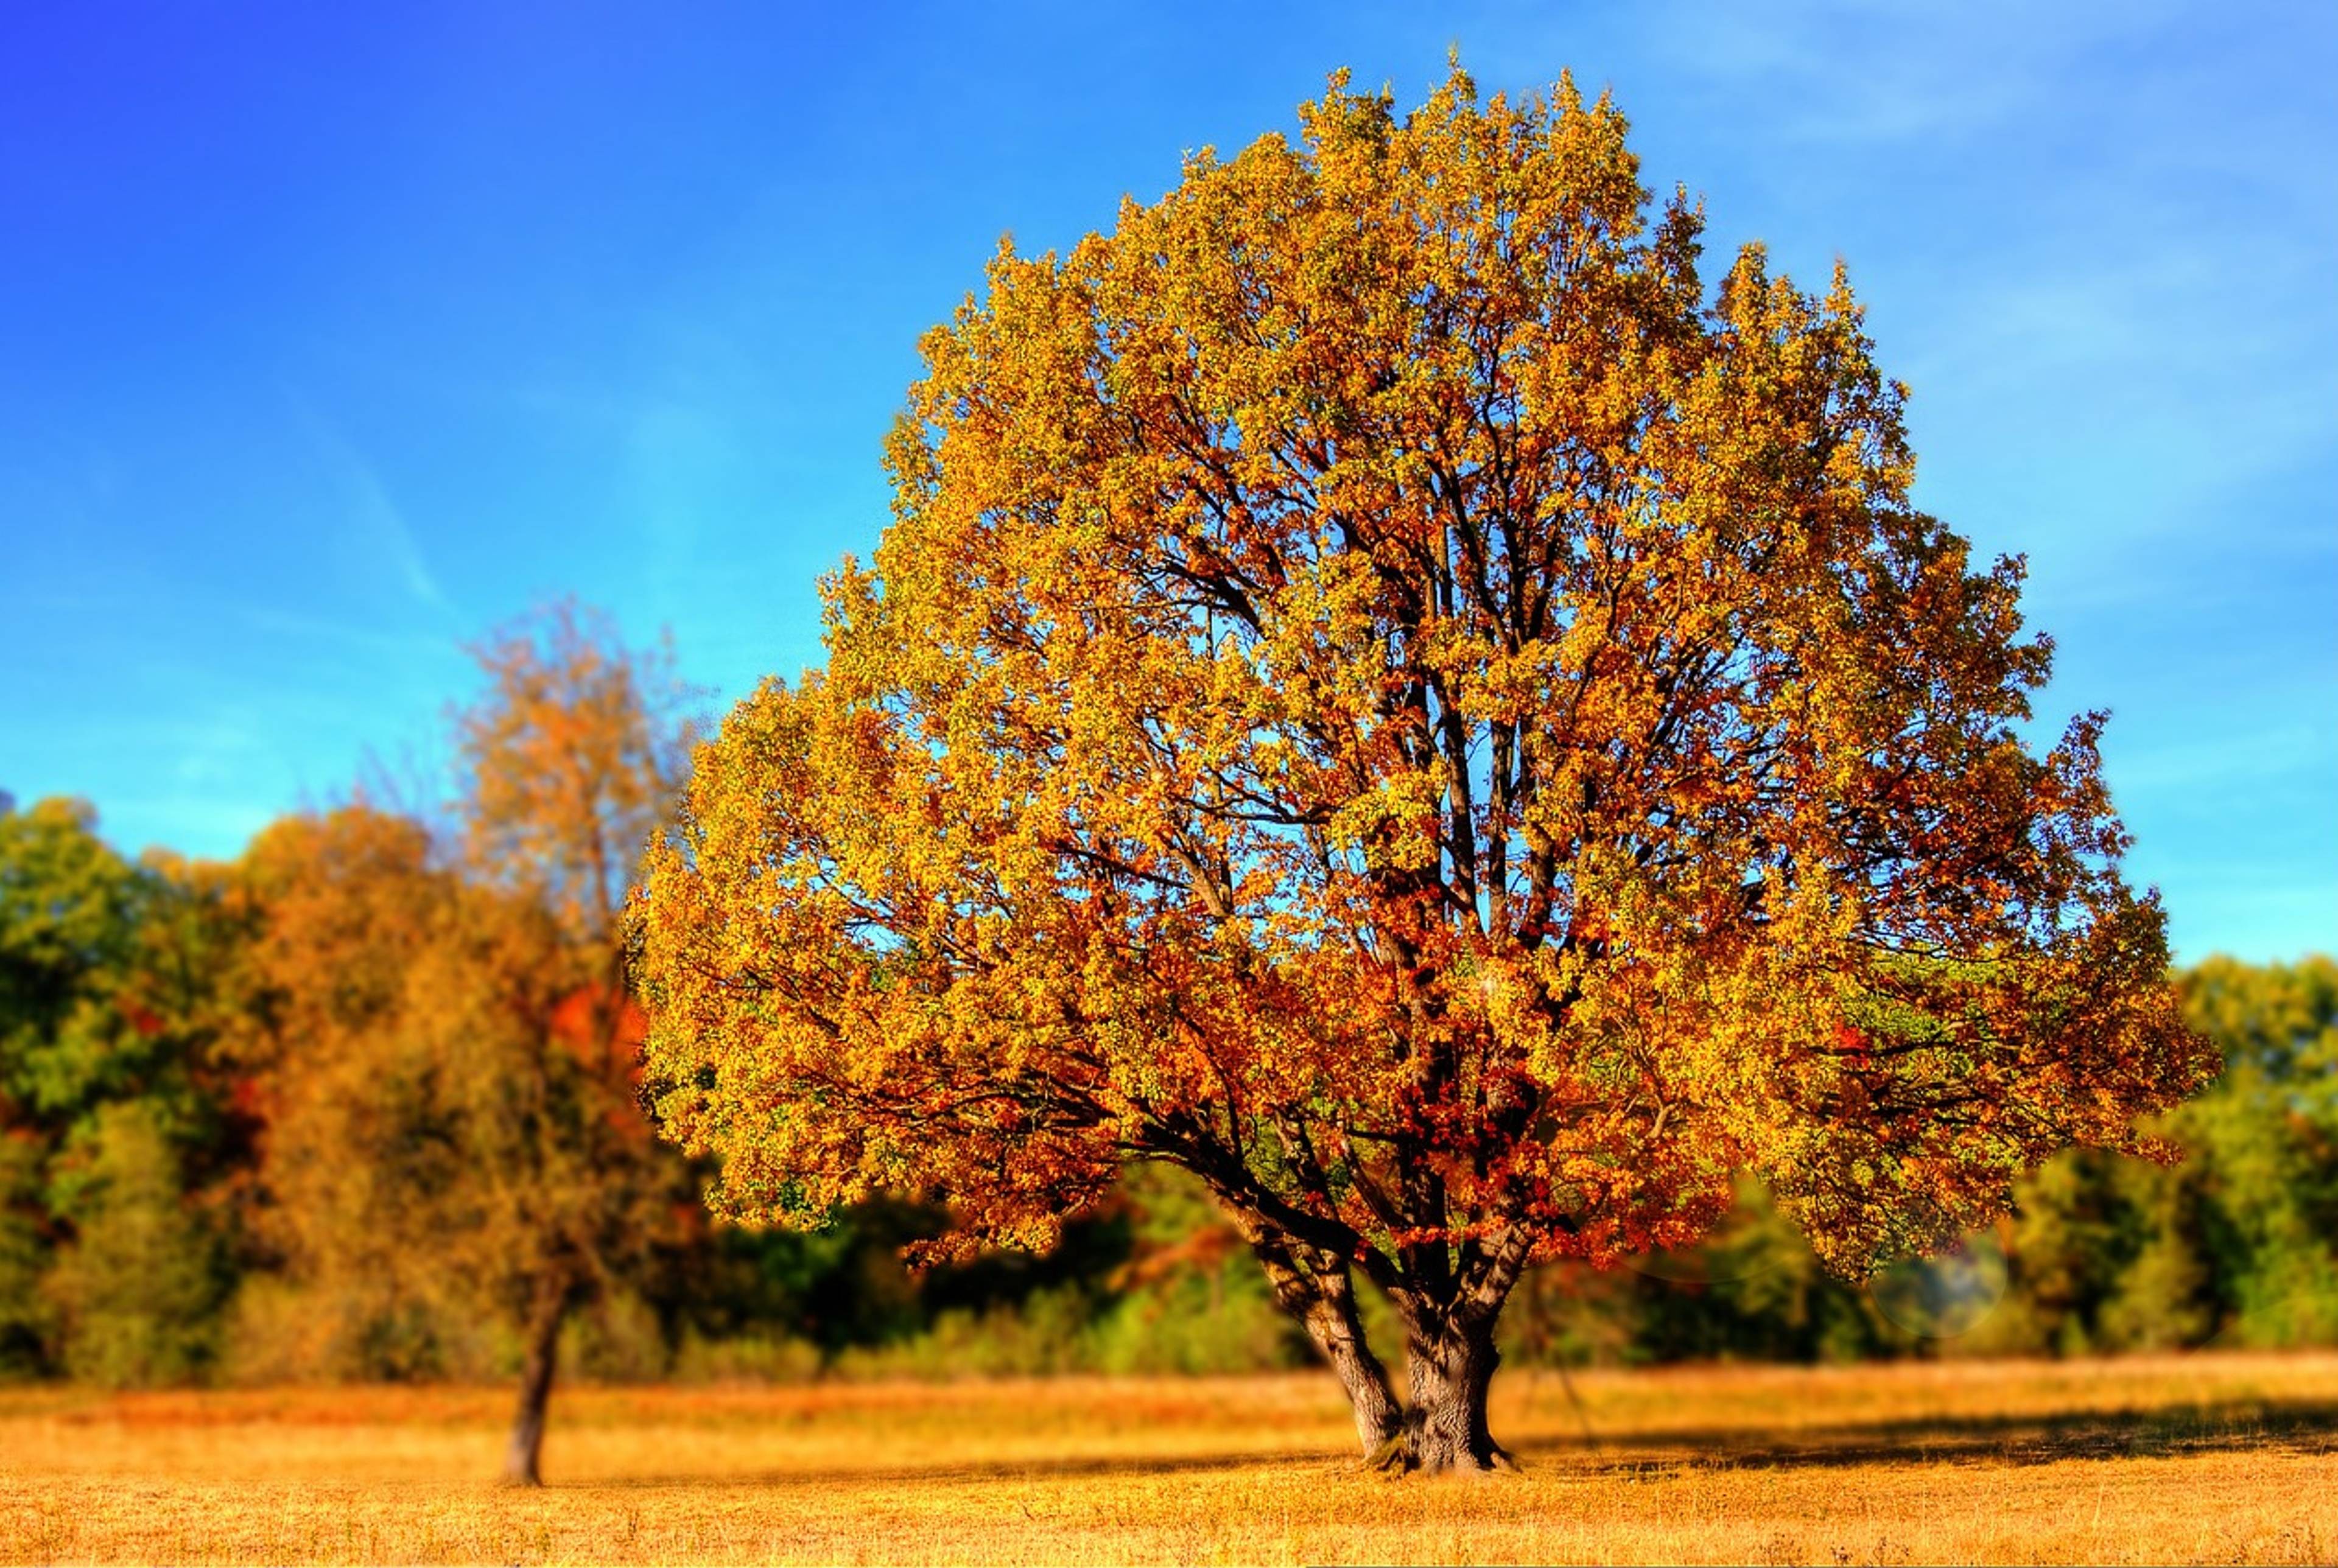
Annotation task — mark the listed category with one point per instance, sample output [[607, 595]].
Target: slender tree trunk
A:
[[521, 1460], [1450, 1360], [1324, 1300]]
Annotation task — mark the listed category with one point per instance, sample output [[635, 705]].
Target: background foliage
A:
[[159, 1175]]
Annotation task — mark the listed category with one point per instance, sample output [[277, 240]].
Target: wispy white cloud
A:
[[213, 749], [2196, 769], [358, 640], [1866, 78], [371, 508]]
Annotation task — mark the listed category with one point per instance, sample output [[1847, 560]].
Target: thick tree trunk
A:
[[1450, 1361], [521, 1461], [1449, 1344]]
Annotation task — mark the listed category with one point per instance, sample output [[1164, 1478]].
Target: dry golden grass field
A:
[[2202, 1459]]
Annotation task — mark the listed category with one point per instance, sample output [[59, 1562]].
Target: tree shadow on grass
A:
[[2240, 1425], [1323, 1460], [2250, 1425]]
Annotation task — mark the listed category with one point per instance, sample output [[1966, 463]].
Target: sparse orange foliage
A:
[[1386, 691], [570, 759]]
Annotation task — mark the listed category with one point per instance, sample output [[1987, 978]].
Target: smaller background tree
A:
[[455, 1050]]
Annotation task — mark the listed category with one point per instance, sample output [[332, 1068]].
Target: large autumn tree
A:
[[1385, 690]]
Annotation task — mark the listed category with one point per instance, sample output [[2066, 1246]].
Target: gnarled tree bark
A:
[[1319, 1294], [1442, 1428], [1450, 1361]]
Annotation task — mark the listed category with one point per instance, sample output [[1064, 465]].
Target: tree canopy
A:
[[1387, 690], [126, 1123]]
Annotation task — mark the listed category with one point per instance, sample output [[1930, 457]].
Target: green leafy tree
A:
[[2234, 1243], [28, 1318], [2074, 1230], [69, 910], [2268, 1137], [141, 1287], [129, 1123]]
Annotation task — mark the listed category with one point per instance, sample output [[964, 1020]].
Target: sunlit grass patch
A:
[[2204, 1458]]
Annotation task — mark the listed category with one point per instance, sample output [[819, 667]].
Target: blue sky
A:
[[331, 335]]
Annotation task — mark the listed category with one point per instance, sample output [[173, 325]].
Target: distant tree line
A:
[[362, 1105], [2235, 1246]]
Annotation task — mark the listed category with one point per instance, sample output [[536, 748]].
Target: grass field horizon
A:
[[2206, 1457]]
